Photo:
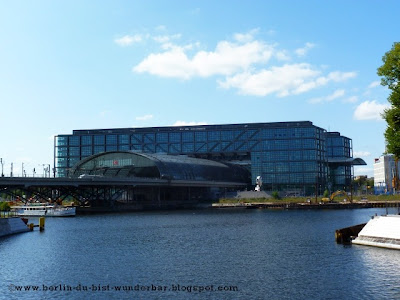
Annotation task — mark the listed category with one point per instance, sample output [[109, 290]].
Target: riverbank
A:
[[370, 201], [291, 205]]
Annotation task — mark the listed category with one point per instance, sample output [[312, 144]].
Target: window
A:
[[62, 151], [187, 147], [123, 147], [123, 139], [99, 139], [148, 138], [111, 148], [213, 135], [98, 149], [86, 140], [86, 151], [201, 136], [227, 135], [74, 151], [162, 148], [72, 161], [162, 137], [188, 137], [62, 141], [136, 147], [137, 138], [175, 148], [174, 137], [62, 162], [111, 139], [74, 140]]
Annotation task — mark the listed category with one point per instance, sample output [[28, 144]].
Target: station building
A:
[[296, 158]]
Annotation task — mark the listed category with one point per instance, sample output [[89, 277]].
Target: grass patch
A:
[[370, 198]]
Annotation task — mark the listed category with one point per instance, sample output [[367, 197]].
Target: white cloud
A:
[[303, 51], [283, 81], [227, 59], [128, 40], [184, 123], [341, 76], [241, 64], [246, 37], [144, 118], [162, 39], [352, 99], [369, 110], [374, 84], [336, 94], [361, 154]]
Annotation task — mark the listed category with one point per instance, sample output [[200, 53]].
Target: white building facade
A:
[[384, 171]]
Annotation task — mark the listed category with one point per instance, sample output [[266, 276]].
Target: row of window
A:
[[176, 137], [339, 152], [285, 167], [293, 178], [203, 147]]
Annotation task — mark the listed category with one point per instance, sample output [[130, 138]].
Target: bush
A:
[[4, 206], [275, 195]]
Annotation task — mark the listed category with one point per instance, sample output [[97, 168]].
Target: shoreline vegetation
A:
[[312, 199]]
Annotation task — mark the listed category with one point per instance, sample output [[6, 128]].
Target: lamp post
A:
[[2, 173]]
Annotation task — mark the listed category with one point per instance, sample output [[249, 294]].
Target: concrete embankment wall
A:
[[11, 226]]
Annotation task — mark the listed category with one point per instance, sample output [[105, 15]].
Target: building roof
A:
[[155, 165], [195, 128], [354, 161]]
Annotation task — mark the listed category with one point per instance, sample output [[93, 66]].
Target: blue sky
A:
[[68, 65]]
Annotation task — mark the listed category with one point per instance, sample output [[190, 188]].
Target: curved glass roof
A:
[[355, 161], [173, 167]]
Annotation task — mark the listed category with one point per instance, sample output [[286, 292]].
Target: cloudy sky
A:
[[68, 65]]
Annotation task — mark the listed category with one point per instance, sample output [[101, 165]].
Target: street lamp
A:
[[1, 161]]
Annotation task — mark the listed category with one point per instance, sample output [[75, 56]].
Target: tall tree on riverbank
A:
[[390, 71]]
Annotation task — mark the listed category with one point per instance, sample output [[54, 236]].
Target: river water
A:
[[198, 254]]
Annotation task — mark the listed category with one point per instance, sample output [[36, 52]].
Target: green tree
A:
[[275, 195], [390, 72], [4, 206]]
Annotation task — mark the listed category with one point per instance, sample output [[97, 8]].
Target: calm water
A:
[[249, 254]]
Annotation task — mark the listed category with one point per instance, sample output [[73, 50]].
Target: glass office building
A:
[[294, 157]]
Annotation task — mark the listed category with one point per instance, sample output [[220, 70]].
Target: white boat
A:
[[44, 210], [381, 231]]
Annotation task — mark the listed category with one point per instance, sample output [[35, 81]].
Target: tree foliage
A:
[[4, 206], [275, 195], [390, 72]]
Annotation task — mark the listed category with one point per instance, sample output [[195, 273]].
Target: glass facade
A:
[[290, 156], [339, 148], [160, 166]]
